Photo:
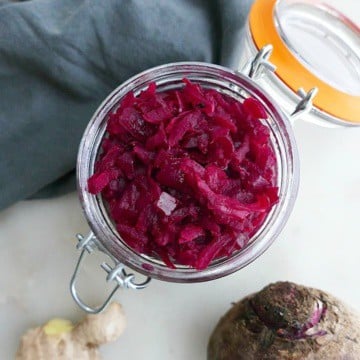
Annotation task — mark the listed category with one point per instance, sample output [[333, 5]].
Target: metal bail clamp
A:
[[306, 103], [255, 69], [117, 273], [256, 66]]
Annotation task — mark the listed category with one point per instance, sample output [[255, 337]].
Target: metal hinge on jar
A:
[[256, 67], [116, 273]]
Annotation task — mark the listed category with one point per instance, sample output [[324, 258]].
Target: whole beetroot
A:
[[287, 321]]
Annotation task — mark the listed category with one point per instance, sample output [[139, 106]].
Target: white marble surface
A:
[[320, 246]]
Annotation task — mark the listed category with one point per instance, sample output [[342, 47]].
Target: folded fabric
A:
[[60, 58]]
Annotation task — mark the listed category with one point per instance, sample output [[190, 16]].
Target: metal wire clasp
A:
[[306, 102], [255, 67], [117, 273]]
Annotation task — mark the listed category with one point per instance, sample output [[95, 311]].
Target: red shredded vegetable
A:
[[188, 175]]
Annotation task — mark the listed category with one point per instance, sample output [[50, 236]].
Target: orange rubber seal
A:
[[295, 75]]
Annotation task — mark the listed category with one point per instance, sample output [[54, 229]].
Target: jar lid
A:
[[314, 46]]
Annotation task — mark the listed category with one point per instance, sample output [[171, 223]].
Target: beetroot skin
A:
[[188, 175], [287, 321]]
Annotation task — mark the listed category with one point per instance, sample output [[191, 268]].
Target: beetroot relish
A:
[[188, 175]]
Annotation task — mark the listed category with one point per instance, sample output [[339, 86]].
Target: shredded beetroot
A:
[[188, 175]]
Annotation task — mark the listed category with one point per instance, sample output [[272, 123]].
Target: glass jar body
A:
[[169, 77]]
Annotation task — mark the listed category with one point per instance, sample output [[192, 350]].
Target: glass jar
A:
[[256, 80], [104, 235]]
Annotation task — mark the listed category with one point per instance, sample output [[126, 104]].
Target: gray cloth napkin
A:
[[60, 58]]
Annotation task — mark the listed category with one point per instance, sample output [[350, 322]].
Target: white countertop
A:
[[320, 247]]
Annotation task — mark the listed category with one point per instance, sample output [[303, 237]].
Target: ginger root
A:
[[59, 339]]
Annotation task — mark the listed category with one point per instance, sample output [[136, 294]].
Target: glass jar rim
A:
[[95, 212]]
